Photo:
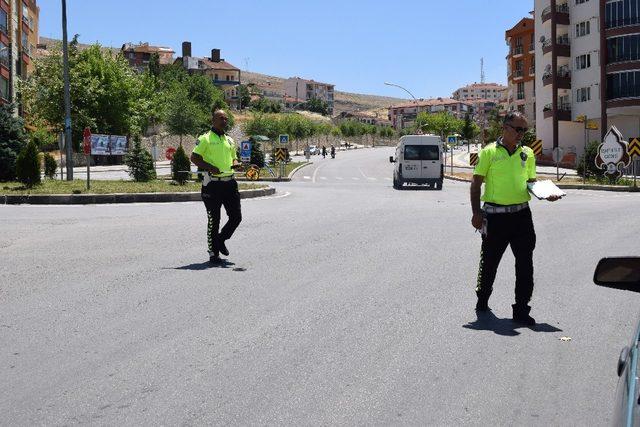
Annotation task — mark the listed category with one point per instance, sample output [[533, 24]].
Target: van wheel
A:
[[397, 184], [438, 184]]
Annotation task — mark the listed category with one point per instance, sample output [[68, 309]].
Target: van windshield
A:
[[421, 152]]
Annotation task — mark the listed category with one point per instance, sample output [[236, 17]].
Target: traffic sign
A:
[[452, 139], [592, 125], [536, 146], [169, 153], [245, 151], [634, 147], [281, 154], [86, 141], [473, 159], [557, 154], [284, 139]]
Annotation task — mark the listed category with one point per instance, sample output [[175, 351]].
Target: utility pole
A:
[[67, 95]]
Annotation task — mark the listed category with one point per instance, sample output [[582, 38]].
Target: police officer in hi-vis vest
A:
[[215, 154], [505, 167]]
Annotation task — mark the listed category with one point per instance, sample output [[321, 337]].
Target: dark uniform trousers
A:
[[503, 229], [215, 195]]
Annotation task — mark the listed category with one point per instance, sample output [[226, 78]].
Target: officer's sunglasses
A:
[[517, 128]]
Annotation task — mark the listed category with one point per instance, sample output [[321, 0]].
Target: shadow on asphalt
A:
[[207, 265], [507, 327]]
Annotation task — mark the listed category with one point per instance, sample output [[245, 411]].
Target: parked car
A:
[[314, 150], [624, 273]]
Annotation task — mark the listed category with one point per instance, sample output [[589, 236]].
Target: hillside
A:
[[344, 101]]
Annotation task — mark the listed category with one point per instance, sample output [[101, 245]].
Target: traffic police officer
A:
[[215, 154], [505, 167]]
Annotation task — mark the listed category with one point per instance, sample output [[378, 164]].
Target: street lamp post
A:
[[67, 95]]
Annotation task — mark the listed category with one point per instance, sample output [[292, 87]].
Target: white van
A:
[[418, 160]]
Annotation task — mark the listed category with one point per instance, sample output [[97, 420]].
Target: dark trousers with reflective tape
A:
[[215, 195], [508, 229]]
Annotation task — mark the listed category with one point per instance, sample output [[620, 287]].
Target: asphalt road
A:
[[343, 302]]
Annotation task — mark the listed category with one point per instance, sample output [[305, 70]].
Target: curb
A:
[[90, 199], [297, 169], [618, 189]]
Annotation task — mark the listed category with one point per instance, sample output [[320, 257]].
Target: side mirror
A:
[[618, 273], [391, 159]]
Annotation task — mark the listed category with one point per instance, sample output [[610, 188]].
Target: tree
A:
[[140, 162], [183, 116], [154, 64], [28, 166], [590, 156], [494, 131], [257, 154], [12, 141], [385, 132], [529, 137], [266, 106], [50, 166], [180, 166], [106, 94], [244, 95], [442, 123], [469, 129], [316, 105]]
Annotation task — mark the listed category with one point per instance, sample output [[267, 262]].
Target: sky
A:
[[430, 47]]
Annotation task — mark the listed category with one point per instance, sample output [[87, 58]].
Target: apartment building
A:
[[521, 93], [223, 74], [18, 41], [298, 88], [587, 66], [404, 115], [139, 55], [492, 91]]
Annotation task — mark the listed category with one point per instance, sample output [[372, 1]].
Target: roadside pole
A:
[[67, 94], [61, 147], [86, 145]]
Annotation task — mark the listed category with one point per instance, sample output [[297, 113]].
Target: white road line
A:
[[362, 173], [315, 173], [372, 179], [323, 177], [277, 196], [387, 179], [306, 177], [339, 178], [355, 178]]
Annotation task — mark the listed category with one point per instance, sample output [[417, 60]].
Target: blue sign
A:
[[452, 139], [245, 151], [284, 139]]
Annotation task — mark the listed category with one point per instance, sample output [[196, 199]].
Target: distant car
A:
[[313, 150], [624, 273]]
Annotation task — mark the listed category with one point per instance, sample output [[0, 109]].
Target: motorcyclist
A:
[[333, 152], [324, 152]]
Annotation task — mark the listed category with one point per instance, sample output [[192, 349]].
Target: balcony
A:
[[562, 46], [518, 74], [564, 111], [218, 82], [563, 78], [532, 70], [562, 14]]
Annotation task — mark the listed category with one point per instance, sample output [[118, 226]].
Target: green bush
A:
[[180, 166], [12, 141], [140, 163], [50, 166], [28, 166], [592, 169]]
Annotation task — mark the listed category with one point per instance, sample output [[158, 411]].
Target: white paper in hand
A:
[[545, 189]]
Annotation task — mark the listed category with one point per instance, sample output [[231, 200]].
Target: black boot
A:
[[521, 315], [482, 305]]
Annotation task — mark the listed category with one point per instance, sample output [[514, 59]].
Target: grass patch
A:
[[78, 186], [624, 182]]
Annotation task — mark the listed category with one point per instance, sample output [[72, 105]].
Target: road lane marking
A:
[[315, 173], [323, 177], [362, 173], [306, 177], [355, 178], [339, 178]]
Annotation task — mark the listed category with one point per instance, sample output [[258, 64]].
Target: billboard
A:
[[108, 145]]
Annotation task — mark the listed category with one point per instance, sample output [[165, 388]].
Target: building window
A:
[[619, 13], [583, 28], [4, 88], [4, 55], [4, 21], [215, 77], [520, 91], [623, 85], [228, 78], [581, 1], [583, 94], [583, 61], [625, 48]]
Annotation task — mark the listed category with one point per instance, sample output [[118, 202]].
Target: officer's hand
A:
[[553, 198], [476, 221]]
